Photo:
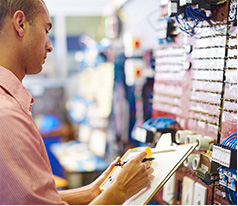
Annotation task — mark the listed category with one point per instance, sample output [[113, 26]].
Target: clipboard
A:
[[164, 165]]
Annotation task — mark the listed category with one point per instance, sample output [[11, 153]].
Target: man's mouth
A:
[[44, 60]]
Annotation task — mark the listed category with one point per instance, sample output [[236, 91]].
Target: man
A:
[[25, 174]]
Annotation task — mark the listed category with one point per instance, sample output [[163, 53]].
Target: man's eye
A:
[[47, 31]]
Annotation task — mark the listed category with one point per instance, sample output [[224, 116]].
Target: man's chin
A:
[[34, 71]]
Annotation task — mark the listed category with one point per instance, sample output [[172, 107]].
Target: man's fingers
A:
[[150, 170], [114, 162], [140, 156], [147, 164], [150, 173], [111, 166]]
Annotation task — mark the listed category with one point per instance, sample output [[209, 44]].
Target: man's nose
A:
[[49, 47]]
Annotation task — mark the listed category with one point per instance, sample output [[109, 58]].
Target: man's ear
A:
[[19, 22]]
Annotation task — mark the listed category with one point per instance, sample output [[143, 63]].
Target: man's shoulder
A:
[[7, 102]]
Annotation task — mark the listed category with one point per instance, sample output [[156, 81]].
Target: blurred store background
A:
[[85, 104]]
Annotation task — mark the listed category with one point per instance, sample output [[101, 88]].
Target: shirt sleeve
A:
[[25, 173]]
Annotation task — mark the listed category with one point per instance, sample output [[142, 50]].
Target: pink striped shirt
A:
[[25, 173]]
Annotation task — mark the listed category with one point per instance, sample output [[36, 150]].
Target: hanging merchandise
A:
[[147, 132], [225, 154], [233, 12], [167, 30], [192, 17], [189, 13], [196, 85]]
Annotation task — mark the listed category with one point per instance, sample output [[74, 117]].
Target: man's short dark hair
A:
[[30, 8]]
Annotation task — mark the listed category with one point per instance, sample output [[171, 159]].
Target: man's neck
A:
[[9, 59]]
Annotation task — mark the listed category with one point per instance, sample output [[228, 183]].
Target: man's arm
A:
[[79, 196], [133, 177], [86, 194]]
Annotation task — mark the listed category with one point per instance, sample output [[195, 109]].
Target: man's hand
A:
[[134, 176]]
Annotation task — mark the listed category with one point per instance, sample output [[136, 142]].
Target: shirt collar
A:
[[15, 88]]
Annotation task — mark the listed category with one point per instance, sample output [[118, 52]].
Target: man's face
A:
[[37, 43]]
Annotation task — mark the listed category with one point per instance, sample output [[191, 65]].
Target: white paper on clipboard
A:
[[164, 165]]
